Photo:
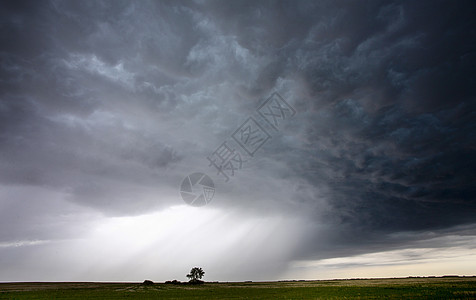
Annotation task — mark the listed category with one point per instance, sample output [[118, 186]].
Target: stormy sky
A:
[[107, 106]]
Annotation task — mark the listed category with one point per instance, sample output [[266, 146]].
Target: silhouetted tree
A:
[[195, 275]]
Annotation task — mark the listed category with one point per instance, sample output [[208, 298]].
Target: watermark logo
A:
[[197, 189], [275, 109], [250, 136]]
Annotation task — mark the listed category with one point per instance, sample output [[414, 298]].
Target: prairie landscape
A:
[[390, 288]]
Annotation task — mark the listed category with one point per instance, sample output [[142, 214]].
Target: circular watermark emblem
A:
[[197, 189]]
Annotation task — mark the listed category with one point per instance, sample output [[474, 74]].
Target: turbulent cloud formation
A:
[[106, 106]]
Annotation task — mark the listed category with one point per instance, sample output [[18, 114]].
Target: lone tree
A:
[[195, 275]]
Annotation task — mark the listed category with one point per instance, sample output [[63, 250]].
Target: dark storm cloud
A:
[[106, 106], [398, 119], [389, 112]]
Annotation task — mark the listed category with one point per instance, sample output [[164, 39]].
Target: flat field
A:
[[403, 288]]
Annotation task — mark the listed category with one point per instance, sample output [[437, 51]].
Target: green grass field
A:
[[405, 288]]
